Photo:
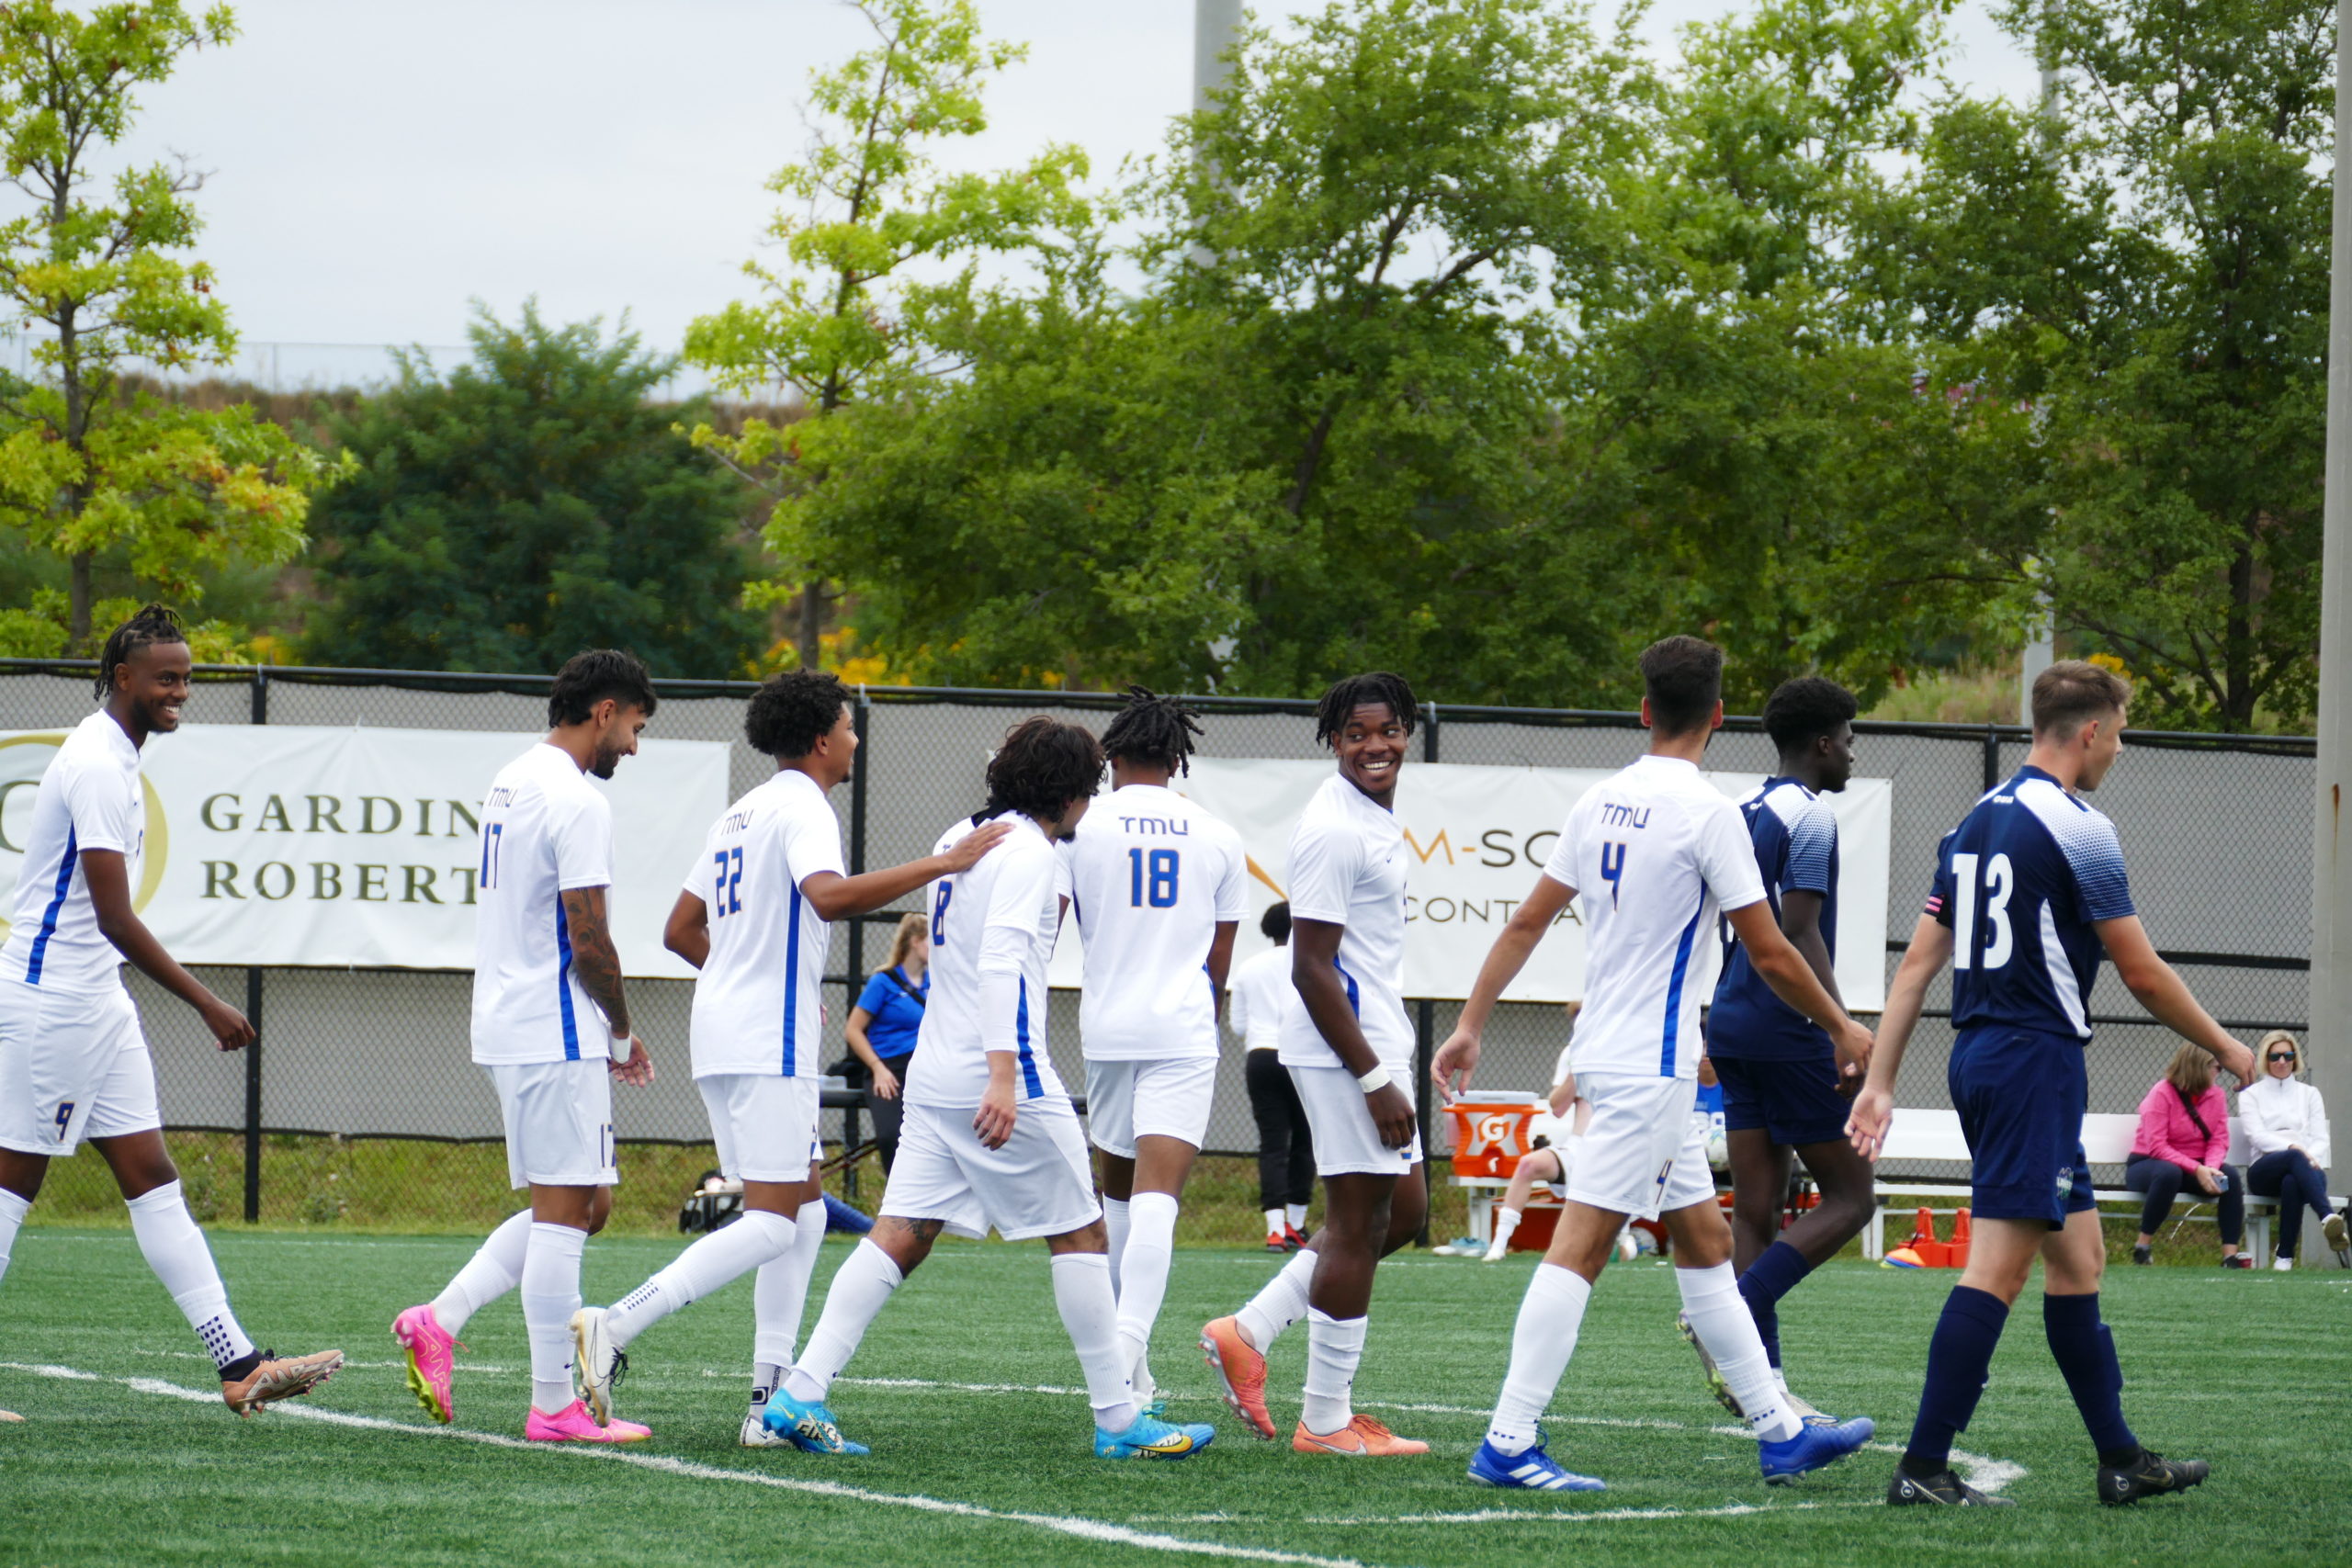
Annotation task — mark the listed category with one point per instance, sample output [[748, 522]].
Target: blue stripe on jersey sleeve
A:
[[1813, 851], [563, 981], [49, 917], [1037, 1085], [1355, 996], [792, 986], [1674, 987]]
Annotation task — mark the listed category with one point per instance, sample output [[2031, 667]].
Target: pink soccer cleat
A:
[[572, 1423], [432, 1357]]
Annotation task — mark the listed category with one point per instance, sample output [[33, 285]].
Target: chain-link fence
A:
[[361, 1105]]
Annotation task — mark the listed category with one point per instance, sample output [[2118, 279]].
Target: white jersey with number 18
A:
[[1151, 877]]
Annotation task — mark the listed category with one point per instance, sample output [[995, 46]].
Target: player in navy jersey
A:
[[1785, 1089], [2028, 889]]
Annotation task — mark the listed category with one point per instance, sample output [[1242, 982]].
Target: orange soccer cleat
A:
[[1361, 1437], [1240, 1374]]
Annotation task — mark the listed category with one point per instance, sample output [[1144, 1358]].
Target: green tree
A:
[[2150, 272], [531, 503], [848, 315], [87, 466]]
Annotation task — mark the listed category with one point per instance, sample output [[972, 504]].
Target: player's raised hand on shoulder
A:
[[1454, 1062], [635, 1069], [229, 1027], [993, 1121], [965, 853], [1866, 1128]]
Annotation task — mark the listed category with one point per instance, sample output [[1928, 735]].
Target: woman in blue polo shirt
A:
[[883, 1026]]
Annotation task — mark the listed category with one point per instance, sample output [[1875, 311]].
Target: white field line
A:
[[1096, 1530], [1516, 1516]]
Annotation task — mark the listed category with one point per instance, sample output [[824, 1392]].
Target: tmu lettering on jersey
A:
[[503, 796], [1149, 826], [1617, 815], [735, 822]]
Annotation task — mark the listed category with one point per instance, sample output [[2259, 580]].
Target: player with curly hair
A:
[[755, 920], [991, 1139], [1157, 886], [73, 1062], [1349, 1047]]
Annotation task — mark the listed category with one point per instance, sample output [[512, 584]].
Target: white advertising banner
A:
[[1478, 838], [279, 844]]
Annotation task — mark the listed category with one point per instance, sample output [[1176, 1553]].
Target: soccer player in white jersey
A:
[[990, 1138], [552, 1028], [1156, 884], [2030, 889], [1349, 1049], [755, 918], [1785, 1093], [1658, 850], [74, 1064]]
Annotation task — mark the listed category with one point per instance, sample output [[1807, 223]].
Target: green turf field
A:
[[968, 1393]]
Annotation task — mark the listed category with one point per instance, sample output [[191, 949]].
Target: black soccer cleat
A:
[[2150, 1475], [1942, 1489]]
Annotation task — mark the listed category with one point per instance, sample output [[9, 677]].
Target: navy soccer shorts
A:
[[1795, 1102], [2021, 1094]]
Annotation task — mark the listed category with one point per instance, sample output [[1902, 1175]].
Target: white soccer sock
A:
[[1115, 1222], [1151, 1249], [495, 1269], [780, 1295], [174, 1250], [14, 1207], [1334, 1346], [1297, 1215], [1506, 1222], [1719, 1318], [1540, 1343], [1274, 1222], [1282, 1302], [550, 1295], [718, 1259], [1090, 1313], [861, 1289]]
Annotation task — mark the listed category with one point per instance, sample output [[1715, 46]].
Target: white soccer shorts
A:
[[1039, 1184], [559, 1123], [1643, 1153], [73, 1066], [1165, 1097], [1346, 1143], [764, 1124]]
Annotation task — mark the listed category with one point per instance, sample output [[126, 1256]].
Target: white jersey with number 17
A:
[[1151, 877], [545, 831]]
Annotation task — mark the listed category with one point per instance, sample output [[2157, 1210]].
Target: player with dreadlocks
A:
[[1350, 1051], [1157, 885], [990, 1138], [74, 1064]]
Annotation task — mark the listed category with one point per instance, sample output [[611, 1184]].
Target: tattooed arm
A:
[[598, 964]]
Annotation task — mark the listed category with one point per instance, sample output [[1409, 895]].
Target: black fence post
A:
[[1425, 1030], [252, 1016], [1992, 759], [861, 721]]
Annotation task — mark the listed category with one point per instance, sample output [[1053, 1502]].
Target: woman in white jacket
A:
[[2285, 1124]]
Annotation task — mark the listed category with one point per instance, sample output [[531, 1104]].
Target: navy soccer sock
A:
[[2084, 1352], [1776, 1271], [1960, 1360]]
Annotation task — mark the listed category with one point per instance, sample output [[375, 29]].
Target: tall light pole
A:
[[2331, 992], [1216, 27], [2042, 640]]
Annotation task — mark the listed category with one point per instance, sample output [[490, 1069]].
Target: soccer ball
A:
[[1718, 1150]]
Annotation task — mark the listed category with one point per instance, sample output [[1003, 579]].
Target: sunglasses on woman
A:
[[2278, 1056]]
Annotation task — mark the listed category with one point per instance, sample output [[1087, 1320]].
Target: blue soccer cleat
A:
[[809, 1427], [1149, 1438], [1533, 1471], [1812, 1448]]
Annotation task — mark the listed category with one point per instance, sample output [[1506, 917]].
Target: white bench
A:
[[1918, 1136]]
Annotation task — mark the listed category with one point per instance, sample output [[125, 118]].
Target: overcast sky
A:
[[376, 167]]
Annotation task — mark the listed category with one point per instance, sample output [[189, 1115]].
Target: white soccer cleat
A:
[[597, 1364], [756, 1435], [1628, 1249]]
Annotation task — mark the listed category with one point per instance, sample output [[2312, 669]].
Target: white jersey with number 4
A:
[[1347, 867], [1152, 875], [757, 1006], [546, 831], [1015, 889], [1655, 851], [90, 798]]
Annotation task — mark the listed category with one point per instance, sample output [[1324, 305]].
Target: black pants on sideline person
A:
[[2162, 1181], [2289, 1177], [887, 1114], [1285, 1149]]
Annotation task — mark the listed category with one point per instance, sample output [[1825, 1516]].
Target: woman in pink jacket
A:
[[2184, 1140]]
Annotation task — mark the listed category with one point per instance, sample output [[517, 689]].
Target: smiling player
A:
[[1349, 1049], [74, 1064]]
